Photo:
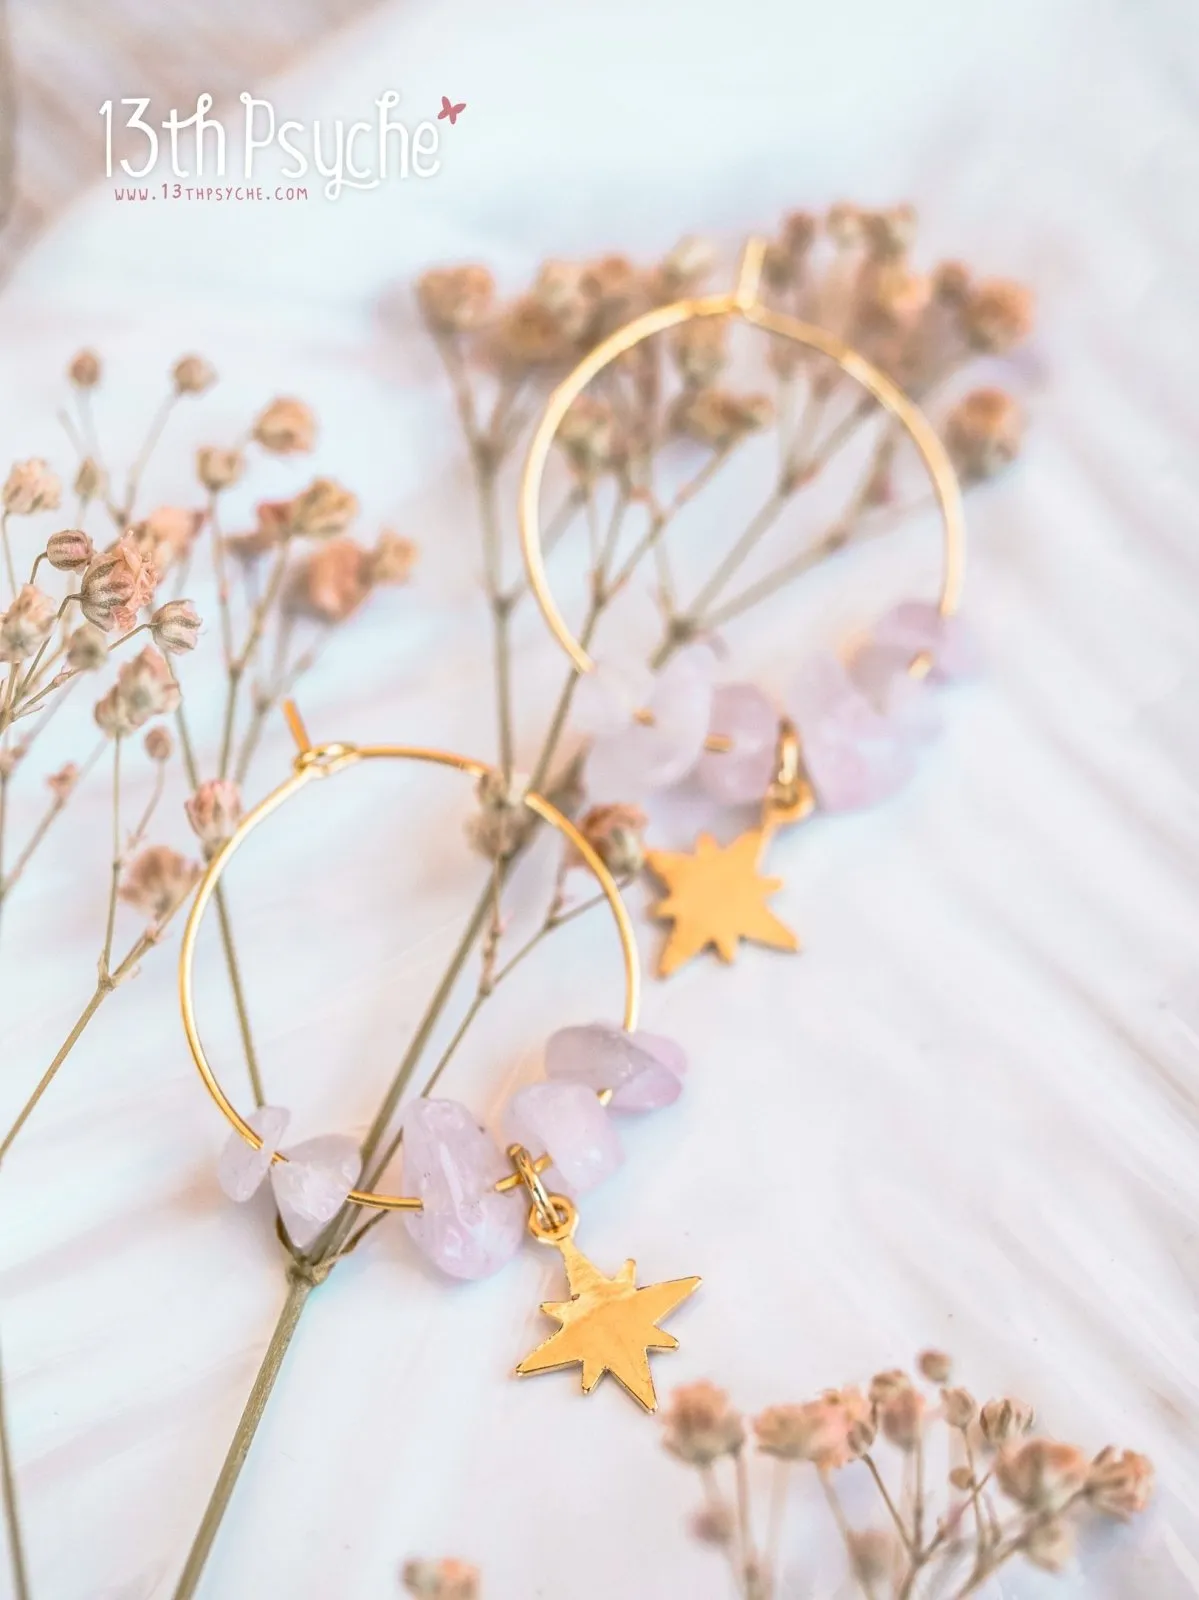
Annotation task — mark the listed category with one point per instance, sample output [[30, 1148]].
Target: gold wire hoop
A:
[[321, 761], [742, 301]]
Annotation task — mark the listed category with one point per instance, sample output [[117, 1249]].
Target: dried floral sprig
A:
[[1008, 1494]]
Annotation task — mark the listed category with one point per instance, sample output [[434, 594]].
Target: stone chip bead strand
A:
[[862, 723], [466, 1226]]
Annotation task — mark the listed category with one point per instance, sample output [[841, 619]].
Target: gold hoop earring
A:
[[716, 895], [471, 1221]]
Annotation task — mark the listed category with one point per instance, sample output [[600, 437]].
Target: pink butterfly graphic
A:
[[448, 109]]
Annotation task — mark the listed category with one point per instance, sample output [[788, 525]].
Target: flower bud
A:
[[454, 299], [1004, 1420], [901, 1417], [1120, 1485], [961, 1408], [192, 375], [983, 433], [998, 316], [1042, 1474], [90, 480], [158, 744], [117, 585], [61, 783], [214, 812], [392, 559], [70, 550], [175, 627], [440, 1580], [29, 487], [157, 880], [84, 370], [87, 648], [935, 1365], [323, 510], [617, 835], [286, 427], [27, 624], [701, 1425], [219, 469]]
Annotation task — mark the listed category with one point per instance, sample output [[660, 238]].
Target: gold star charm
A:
[[716, 896], [608, 1324]]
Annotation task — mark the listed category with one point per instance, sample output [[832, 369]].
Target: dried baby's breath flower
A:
[[192, 375], [456, 299], [785, 260], [885, 1384], [85, 370], [872, 1554], [616, 287], [11, 758], [441, 1580], [901, 1417], [960, 1407], [61, 783], [983, 433], [565, 290], [1042, 1474], [830, 1431], [69, 550], [159, 745], [287, 427], [890, 233], [166, 536], [587, 436], [1120, 1483], [273, 526], [392, 559], [175, 627], [117, 585], [616, 833], [324, 510], [715, 1523], [214, 811], [935, 1365], [1001, 1421], [145, 688], [951, 284], [501, 824], [1050, 1545], [998, 315], [219, 469], [700, 351], [701, 1425], [29, 487], [27, 623], [844, 224], [331, 583], [87, 648], [961, 1478], [90, 480], [157, 880], [719, 418], [527, 336], [683, 269]]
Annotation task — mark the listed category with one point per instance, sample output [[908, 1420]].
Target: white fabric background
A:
[[966, 1117]]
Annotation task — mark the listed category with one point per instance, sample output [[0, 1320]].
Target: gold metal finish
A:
[[742, 302], [607, 1324], [320, 761]]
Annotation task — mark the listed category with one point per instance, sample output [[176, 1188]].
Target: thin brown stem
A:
[[846, 1532], [900, 1526], [12, 1514], [141, 461], [118, 856]]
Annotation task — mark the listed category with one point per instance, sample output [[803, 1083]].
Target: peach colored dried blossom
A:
[[998, 316], [61, 783], [456, 299], [616, 832], [27, 623], [219, 469], [214, 811], [175, 627], [1120, 1483], [587, 436], [330, 584], [701, 351], [29, 487], [392, 559], [718, 418], [166, 536], [87, 648], [159, 745], [85, 370], [273, 524], [440, 1580], [935, 1365], [117, 585], [192, 375], [1001, 1421], [286, 427], [830, 1432], [145, 688], [682, 270], [959, 1406], [69, 550], [527, 336], [324, 510], [90, 480], [901, 1418], [701, 1424], [157, 881], [563, 289], [983, 433], [1042, 1474]]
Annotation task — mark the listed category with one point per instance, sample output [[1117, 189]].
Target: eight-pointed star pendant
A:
[[609, 1325], [716, 896]]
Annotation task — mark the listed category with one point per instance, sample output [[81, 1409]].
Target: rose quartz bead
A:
[[741, 775], [568, 1121], [854, 756], [240, 1168], [606, 698], [882, 672], [916, 625], [311, 1187], [643, 1070], [644, 757], [466, 1228]]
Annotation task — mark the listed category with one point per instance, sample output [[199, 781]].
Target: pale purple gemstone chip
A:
[[567, 1121], [241, 1168], [644, 1070], [741, 775], [312, 1185], [465, 1227]]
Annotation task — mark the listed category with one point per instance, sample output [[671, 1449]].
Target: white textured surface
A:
[[967, 1116]]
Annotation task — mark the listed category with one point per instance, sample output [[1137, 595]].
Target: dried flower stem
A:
[[842, 1521], [142, 460], [900, 1525], [118, 856]]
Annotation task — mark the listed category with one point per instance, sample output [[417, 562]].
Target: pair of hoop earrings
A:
[[472, 1202]]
